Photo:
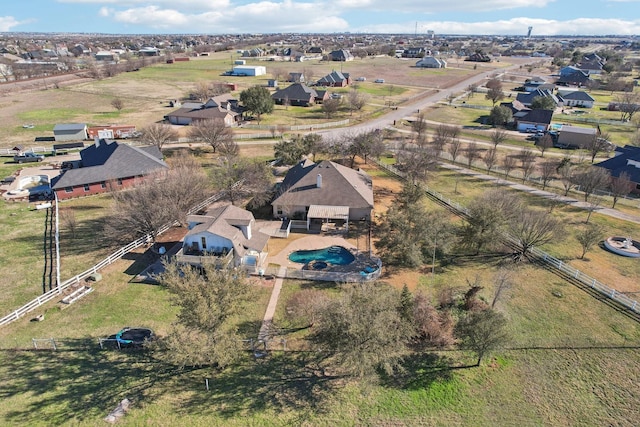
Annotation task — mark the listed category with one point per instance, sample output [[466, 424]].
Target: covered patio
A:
[[330, 217]]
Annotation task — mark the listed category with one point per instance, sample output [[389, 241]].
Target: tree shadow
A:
[[81, 382], [420, 370], [282, 382]]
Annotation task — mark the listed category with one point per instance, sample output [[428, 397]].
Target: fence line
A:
[[12, 152], [299, 127], [541, 255], [110, 259]]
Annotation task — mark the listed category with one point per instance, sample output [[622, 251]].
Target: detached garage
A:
[[249, 70], [70, 132]]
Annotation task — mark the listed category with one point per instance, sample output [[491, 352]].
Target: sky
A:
[[478, 17]]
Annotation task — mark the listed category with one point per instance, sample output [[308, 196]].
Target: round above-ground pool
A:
[[333, 255]]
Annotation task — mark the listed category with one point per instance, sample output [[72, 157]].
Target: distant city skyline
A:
[[480, 17]]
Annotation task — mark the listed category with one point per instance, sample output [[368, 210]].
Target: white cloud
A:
[[263, 16], [9, 22], [438, 6], [517, 26]]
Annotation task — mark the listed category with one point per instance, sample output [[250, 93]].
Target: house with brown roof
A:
[[107, 165], [224, 236], [335, 79], [298, 94], [324, 192], [222, 107]]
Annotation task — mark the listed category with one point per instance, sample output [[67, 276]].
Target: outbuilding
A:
[[70, 132], [249, 70]]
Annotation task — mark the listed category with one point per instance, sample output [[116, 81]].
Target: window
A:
[[279, 211], [119, 181], [68, 189], [86, 187], [103, 184], [203, 240]]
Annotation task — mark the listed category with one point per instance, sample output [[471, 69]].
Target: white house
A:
[[431, 62], [576, 98], [223, 236]]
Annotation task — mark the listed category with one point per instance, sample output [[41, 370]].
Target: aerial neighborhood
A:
[[319, 229]]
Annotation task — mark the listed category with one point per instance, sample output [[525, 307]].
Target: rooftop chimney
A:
[[96, 141], [319, 181]]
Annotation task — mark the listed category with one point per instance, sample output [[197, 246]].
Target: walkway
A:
[[315, 241]]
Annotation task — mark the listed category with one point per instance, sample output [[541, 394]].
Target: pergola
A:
[[327, 213]]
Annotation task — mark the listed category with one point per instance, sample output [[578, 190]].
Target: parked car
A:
[[361, 79], [28, 157], [379, 81]]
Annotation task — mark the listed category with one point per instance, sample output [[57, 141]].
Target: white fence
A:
[[550, 261], [76, 280], [298, 127], [6, 152]]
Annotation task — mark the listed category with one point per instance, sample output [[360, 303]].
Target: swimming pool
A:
[[335, 255]]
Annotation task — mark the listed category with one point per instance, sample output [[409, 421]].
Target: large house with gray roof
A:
[[222, 237], [107, 165], [324, 192]]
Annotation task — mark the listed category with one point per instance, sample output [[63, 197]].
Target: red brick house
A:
[[105, 165]]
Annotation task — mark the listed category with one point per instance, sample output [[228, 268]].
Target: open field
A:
[[571, 360], [146, 93]]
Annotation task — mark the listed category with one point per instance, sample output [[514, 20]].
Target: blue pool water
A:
[[335, 255]]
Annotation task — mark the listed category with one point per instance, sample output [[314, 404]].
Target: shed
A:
[[249, 70], [70, 132]]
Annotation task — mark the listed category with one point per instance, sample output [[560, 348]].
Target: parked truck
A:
[[28, 157]]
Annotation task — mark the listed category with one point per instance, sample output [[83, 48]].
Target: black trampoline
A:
[[133, 337]]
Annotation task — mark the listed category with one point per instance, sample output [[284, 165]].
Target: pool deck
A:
[[312, 241]]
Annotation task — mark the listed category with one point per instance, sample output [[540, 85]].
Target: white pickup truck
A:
[[28, 157]]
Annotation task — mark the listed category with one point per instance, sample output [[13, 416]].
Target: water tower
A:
[[529, 32]]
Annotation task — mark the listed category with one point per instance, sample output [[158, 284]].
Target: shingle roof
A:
[[578, 95], [296, 92], [341, 186], [111, 160], [627, 160], [224, 221]]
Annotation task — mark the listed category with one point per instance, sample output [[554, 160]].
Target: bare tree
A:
[[544, 143], [532, 228], [495, 95], [213, 132], [357, 100], [597, 144], [547, 172], [508, 164], [69, 221], [156, 200], [567, 172], [498, 136], [473, 152], [419, 126], [158, 134], [482, 332], [418, 163], [454, 148], [117, 103], [588, 236], [629, 104], [471, 90], [241, 178], [490, 158], [527, 163], [620, 186], [592, 180], [331, 106]]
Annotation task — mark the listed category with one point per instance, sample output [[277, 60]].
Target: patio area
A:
[[298, 242]]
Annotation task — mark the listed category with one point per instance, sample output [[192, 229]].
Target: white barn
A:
[[249, 70], [431, 62]]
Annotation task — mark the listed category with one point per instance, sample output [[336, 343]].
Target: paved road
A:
[[412, 108]]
